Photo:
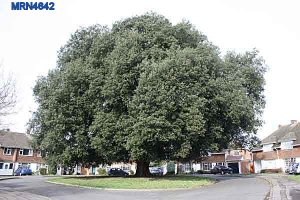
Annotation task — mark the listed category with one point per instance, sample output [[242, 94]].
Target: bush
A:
[[171, 167], [101, 171], [43, 171], [170, 173], [279, 170], [131, 172], [52, 169]]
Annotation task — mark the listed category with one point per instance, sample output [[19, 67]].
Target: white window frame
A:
[[39, 153], [5, 151], [6, 166], [267, 147], [286, 145], [206, 166], [21, 152]]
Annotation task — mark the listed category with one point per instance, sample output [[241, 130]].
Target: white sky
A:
[[29, 41]]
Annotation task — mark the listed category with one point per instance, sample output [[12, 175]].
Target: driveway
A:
[[228, 187]]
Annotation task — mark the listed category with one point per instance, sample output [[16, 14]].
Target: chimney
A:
[[294, 121]]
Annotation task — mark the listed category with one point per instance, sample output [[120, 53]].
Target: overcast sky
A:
[[29, 41]]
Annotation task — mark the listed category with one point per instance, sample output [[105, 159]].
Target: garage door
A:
[[235, 167]]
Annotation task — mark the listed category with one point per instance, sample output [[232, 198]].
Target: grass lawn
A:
[[294, 177], [169, 182]]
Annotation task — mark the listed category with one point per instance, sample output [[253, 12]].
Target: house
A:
[[280, 149], [239, 160], [15, 151]]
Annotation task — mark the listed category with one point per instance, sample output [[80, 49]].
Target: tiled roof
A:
[[285, 133], [14, 140]]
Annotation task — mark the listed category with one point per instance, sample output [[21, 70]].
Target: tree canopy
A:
[[145, 90]]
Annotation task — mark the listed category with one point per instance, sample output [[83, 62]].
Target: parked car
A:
[[22, 171], [117, 172], [156, 171], [294, 169], [220, 169]]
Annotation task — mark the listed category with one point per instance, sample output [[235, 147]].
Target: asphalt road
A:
[[229, 187]]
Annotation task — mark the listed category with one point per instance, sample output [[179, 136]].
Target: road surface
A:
[[228, 187]]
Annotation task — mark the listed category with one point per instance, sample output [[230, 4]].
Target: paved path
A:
[[229, 187], [283, 188]]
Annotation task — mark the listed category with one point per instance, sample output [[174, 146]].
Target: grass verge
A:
[[294, 178], [172, 182]]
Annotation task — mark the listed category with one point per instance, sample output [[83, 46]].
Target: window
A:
[[7, 151], [206, 166], [1, 165], [39, 154], [267, 147], [6, 166], [286, 145], [26, 152], [221, 163], [186, 167], [10, 166]]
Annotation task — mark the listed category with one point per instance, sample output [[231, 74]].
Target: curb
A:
[[269, 195], [133, 190], [7, 178]]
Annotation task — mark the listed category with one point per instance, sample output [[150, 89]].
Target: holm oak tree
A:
[[145, 90]]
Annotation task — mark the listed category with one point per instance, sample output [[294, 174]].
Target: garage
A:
[[235, 167]]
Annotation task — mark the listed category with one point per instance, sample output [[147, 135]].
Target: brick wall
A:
[[29, 159], [281, 154], [6, 157], [15, 157], [245, 167], [247, 155]]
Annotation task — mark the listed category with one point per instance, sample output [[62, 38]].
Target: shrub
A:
[[131, 172], [101, 171], [43, 171], [52, 169], [170, 173], [171, 167]]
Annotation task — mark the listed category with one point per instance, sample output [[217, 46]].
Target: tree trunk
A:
[[142, 169]]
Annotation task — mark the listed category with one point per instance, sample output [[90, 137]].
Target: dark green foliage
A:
[[102, 171], [43, 171], [170, 167], [146, 91]]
